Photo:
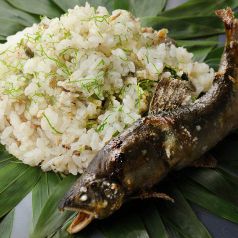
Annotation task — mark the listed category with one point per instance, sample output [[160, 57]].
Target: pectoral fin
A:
[[152, 194], [206, 161]]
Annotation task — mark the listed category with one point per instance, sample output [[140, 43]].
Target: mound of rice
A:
[[70, 84]]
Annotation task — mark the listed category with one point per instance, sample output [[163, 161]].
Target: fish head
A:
[[92, 198]]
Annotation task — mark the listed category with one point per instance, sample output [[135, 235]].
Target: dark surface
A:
[[219, 228]]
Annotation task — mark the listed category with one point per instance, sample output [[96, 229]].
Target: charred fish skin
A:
[[169, 138]]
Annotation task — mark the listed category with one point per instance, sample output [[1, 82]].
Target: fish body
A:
[[175, 133]]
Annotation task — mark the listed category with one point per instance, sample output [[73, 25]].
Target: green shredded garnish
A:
[[124, 90], [16, 68], [101, 62], [120, 109], [58, 62], [147, 84], [123, 59], [147, 59], [100, 19], [100, 34], [67, 34], [90, 124], [127, 50], [49, 99], [101, 127], [194, 98], [116, 133], [158, 71], [139, 92], [51, 126], [94, 85], [119, 38], [81, 149], [14, 92], [75, 51]]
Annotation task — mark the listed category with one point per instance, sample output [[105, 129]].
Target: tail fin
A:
[[229, 61]]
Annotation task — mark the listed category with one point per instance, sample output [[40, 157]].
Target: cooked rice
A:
[[70, 84]]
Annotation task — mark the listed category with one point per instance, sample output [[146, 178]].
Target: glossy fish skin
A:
[[161, 142]]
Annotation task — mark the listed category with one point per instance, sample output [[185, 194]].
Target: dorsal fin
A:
[[170, 94]]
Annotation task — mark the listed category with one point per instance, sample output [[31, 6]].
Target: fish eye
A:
[[83, 198]]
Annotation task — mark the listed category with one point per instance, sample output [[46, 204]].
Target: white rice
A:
[[68, 85]]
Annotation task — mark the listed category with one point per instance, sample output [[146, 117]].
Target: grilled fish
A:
[[175, 133]]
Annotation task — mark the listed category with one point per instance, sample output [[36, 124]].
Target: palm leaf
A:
[[6, 225], [143, 8], [9, 12], [202, 197], [50, 219], [187, 27], [181, 215], [9, 26], [153, 222], [41, 192], [65, 5], [15, 175], [199, 8], [194, 26], [216, 182], [42, 8], [214, 57]]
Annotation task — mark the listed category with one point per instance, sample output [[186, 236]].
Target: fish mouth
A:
[[82, 219]]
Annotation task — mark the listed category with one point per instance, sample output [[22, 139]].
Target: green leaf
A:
[[142, 8], [138, 7], [6, 225], [200, 48], [124, 224], [9, 26], [9, 12], [202, 197], [10, 173], [41, 193], [122, 4], [216, 53], [199, 8], [172, 230], [181, 216], [50, 218], [231, 177], [152, 221], [200, 53], [186, 27], [66, 4], [17, 180], [214, 181], [211, 41], [14, 192], [214, 57], [62, 232], [42, 7]]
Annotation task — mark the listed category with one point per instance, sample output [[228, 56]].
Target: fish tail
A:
[[229, 62], [231, 24]]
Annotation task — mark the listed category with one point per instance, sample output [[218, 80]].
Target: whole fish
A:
[[175, 133]]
